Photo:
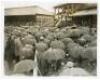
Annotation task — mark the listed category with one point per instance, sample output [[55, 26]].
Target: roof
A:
[[65, 4], [86, 5], [28, 10], [85, 12]]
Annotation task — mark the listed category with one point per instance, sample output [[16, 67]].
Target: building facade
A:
[[82, 14], [29, 16]]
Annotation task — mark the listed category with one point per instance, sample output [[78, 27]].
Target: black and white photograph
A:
[[50, 39]]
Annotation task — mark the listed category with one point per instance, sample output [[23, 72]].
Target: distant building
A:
[[30, 15], [86, 16], [82, 14]]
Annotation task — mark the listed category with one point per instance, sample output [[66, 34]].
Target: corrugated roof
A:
[[28, 10], [81, 4], [85, 12], [66, 4]]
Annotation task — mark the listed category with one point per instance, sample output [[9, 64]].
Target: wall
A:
[[45, 20], [20, 20]]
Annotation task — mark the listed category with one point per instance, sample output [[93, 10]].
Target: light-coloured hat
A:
[[70, 64]]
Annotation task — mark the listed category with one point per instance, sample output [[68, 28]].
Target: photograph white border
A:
[[4, 77]]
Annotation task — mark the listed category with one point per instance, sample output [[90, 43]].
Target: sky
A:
[[46, 4]]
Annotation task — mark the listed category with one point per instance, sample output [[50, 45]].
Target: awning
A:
[[85, 12]]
